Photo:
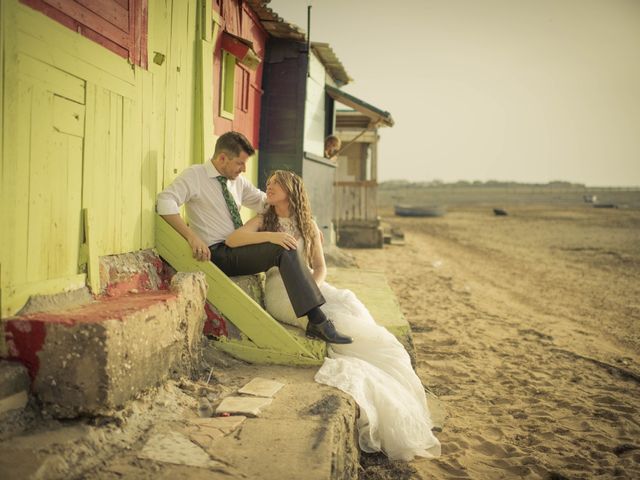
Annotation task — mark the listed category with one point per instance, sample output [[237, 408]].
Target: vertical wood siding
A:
[[86, 130]]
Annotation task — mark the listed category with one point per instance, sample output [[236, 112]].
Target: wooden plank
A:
[[14, 297], [96, 23], [15, 186], [90, 163], [65, 221], [101, 179], [130, 202], [251, 353], [206, 21], [68, 116], [110, 11], [55, 44], [51, 78], [148, 159], [93, 260], [182, 88], [80, 67], [39, 181], [230, 299], [170, 170], [120, 185], [114, 160]]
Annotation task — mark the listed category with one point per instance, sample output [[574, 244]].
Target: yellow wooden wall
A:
[[88, 140]]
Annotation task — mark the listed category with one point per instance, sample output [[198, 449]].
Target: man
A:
[[332, 145], [211, 193]]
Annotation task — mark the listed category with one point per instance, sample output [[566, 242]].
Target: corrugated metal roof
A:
[[331, 62], [274, 24], [377, 115], [277, 27]]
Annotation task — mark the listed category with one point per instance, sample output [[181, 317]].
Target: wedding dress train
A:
[[375, 370]]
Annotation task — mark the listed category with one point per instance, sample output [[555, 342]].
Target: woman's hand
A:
[[288, 242]]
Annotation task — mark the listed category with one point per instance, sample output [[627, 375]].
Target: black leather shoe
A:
[[327, 332]]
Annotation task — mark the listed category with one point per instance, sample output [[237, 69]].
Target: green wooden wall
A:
[[89, 139]]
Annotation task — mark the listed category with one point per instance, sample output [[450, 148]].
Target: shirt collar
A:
[[213, 172]]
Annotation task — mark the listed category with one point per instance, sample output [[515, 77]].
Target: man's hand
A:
[[200, 249], [284, 240]]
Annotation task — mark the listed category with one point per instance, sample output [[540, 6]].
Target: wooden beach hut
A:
[[356, 214], [103, 105]]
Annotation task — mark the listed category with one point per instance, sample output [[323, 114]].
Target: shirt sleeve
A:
[[180, 191], [252, 197]]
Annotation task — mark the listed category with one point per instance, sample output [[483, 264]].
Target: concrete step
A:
[[14, 388], [95, 357], [306, 432]]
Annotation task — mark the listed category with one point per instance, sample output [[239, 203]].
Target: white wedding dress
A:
[[375, 370]]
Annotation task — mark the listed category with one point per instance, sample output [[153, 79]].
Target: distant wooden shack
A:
[[355, 204]]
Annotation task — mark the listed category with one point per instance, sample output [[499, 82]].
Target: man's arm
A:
[[200, 249], [252, 197], [168, 207]]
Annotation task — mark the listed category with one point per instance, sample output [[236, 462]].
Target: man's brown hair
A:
[[232, 143]]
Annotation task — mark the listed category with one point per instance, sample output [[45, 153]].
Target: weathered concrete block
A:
[[217, 324], [133, 272], [94, 358], [253, 285], [14, 386]]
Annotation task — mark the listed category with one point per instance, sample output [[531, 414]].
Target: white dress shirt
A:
[[200, 191]]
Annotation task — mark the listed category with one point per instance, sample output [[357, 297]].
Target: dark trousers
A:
[[250, 259]]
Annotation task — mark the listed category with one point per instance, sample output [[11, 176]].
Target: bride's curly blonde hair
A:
[[299, 208]]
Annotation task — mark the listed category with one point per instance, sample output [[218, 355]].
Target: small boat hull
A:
[[419, 211]]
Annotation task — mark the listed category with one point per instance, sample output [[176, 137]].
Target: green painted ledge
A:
[[373, 290]]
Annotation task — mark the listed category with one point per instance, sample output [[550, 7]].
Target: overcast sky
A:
[[524, 90]]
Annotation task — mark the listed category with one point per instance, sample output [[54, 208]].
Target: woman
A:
[[375, 369]]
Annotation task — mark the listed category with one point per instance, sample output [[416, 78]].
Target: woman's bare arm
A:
[[248, 234]]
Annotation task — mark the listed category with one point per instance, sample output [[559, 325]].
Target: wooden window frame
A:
[[245, 88], [227, 85]]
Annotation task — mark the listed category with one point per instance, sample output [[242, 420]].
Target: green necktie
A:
[[231, 203]]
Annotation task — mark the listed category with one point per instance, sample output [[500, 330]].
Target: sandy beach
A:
[[528, 329]]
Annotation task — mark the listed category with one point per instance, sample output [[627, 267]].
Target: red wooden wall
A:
[[119, 25], [239, 19]]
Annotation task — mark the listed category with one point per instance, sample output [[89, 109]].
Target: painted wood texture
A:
[[247, 93], [119, 26], [314, 112], [356, 201], [87, 131], [267, 340]]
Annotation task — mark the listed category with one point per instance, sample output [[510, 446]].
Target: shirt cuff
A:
[[167, 206]]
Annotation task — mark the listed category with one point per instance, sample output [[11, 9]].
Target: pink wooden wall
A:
[[239, 19]]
